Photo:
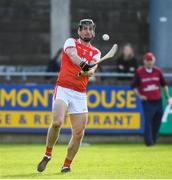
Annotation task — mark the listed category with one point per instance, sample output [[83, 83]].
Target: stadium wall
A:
[[24, 32], [30, 29]]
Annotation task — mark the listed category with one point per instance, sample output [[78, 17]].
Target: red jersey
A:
[[68, 72], [148, 83]]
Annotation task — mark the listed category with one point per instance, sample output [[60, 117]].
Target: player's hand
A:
[[88, 73], [85, 66], [143, 98], [91, 72]]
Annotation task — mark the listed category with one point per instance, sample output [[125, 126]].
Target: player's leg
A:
[[148, 115], [59, 110], [157, 120], [78, 116], [78, 123]]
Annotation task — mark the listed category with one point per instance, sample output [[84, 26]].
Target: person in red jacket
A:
[[146, 83]]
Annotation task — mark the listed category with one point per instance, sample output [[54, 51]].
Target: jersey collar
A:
[[83, 44], [149, 70]]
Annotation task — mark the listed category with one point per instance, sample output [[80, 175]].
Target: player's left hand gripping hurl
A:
[[70, 92]]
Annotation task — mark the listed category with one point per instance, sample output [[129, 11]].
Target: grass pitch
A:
[[93, 161]]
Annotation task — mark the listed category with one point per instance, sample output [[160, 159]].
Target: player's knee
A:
[[57, 121], [56, 124], [78, 134]]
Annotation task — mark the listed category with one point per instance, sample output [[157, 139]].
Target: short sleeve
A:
[[162, 80], [69, 43], [97, 56]]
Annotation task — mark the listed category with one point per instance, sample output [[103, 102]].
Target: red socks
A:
[[67, 163], [48, 151]]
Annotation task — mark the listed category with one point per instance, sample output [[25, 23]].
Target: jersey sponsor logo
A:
[[150, 79], [152, 87]]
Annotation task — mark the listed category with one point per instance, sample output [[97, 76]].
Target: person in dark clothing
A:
[[54, 64], [146, 83], [127, 63]]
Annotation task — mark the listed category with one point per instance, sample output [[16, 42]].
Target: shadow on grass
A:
[[20, 175], [33, 175]]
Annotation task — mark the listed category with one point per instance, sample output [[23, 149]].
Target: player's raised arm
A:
[[70, 49], [72, 53]]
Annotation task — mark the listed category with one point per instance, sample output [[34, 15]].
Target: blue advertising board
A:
[[27, 108]]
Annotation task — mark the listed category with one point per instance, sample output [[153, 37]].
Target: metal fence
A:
[[41, 77]]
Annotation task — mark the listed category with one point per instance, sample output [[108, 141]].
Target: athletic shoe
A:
[[43, 163], [65, 169]]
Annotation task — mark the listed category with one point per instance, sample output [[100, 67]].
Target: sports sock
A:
[[48, 152], [67, 163]]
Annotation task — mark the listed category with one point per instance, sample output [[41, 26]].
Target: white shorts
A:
[[76, 101]]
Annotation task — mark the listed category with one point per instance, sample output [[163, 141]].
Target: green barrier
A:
[[166, 125]]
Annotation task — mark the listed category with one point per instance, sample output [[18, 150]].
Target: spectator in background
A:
[[127, 63], [54, 64], [146, 83]]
